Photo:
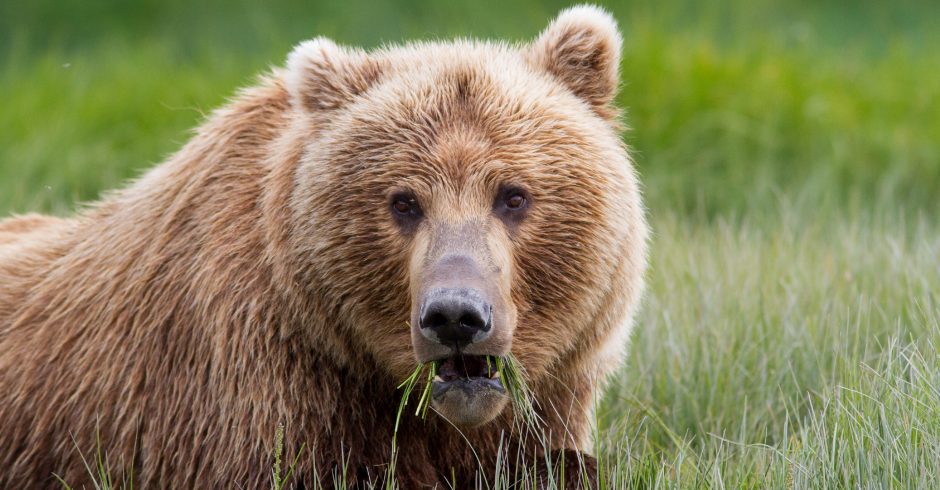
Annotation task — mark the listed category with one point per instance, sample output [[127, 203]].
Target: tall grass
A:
[[783, 352]]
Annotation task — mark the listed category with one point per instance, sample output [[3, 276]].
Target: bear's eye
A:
[[405, 209], [512, 198], [515, 201], [511, 204], [402, 206]]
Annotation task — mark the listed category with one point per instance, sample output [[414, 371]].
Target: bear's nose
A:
[[456, 316]]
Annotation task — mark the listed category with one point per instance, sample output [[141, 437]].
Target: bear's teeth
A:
[[438, 379], [494, 375]]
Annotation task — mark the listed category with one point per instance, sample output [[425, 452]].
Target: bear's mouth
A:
[[467, 372]]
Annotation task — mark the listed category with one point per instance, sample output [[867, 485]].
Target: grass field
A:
[[791, 159]]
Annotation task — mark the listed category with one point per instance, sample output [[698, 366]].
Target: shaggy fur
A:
[[256, 278]]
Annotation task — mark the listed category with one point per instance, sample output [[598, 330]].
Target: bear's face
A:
[[455, 201]]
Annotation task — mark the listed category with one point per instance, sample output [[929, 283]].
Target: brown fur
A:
[[255, 278]]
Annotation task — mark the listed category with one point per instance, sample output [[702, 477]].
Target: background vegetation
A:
[[791, 158]]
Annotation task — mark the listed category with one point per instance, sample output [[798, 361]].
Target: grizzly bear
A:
[[352, 215]]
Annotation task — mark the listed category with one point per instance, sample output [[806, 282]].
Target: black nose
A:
[[456, 316]]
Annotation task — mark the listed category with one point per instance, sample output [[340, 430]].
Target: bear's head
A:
[[456, 200]]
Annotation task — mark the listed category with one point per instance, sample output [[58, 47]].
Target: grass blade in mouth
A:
[[513, 377], [408, 385], [425, 401]]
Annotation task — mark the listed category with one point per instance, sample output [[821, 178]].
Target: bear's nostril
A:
[[472, 320], [434, 320]]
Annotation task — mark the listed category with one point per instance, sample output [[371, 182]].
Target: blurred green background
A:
[[734, 105]]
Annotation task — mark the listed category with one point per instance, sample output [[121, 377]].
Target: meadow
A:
[[790, 154]]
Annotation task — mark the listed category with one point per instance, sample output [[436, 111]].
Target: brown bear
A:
[[353, 214]]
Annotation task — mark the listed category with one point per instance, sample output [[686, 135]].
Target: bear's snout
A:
[[458, 307]]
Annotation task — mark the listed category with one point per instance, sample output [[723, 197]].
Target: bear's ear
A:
[[322, 76], [581, 48]]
